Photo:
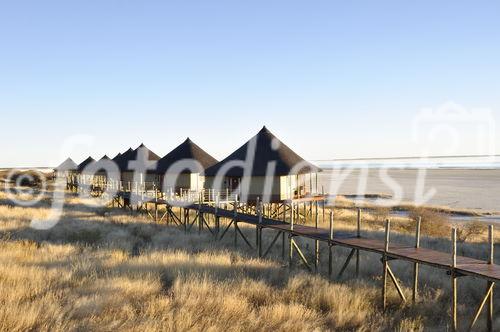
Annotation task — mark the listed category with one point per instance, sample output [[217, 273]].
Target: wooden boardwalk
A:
[[456, 266], [434, 258]]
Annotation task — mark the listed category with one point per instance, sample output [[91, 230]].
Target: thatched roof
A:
[[100, 164], [117, 156], [268, 149], [131, 155], [188, 150], [67, 165], [85, 163]]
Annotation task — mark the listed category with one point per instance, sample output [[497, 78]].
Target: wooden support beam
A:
[[396, 283], [346, 263], [190, 224], [205, 222], [272, 244], [301, 255], [226, 229], [238, 231], [486, 298]]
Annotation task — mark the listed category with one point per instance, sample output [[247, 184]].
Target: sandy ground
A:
[[457, 188]]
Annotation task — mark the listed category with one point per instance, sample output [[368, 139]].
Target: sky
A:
[[332, 79]]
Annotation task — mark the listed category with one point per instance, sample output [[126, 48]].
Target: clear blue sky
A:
[[331, 78]]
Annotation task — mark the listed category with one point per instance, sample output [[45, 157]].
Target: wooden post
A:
[[156, 205], [217, 219], [316, 243], [384, 261], [235, 221], [200, 214], [358, 234], [330, 247], [454, 280], [258, 212], [259, 232], [415, 265], [491, 241], [290, 236]]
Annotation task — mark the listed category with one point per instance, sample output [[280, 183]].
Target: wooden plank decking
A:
[[425, 256]]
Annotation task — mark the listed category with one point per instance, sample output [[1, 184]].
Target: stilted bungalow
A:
[[100, 175], [83, 176], [126, 171], [193, 160], [273, 171], [65, 169]]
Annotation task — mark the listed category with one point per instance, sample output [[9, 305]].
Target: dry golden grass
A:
[[122, 272]]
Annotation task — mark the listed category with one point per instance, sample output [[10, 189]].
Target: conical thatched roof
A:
[[190, 151], [67, 165], [100, 164], [131, 155], [268, 149], [85, 163], [118, 155]]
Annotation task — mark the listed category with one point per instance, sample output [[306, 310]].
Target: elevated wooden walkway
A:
[[456, 266]]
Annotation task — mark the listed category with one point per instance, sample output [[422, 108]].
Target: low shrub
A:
[[432, 223], [470, 230]]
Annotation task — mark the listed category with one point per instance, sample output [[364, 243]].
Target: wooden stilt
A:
[[290, 237], [454, 280], [316, 243], [259, 232], [358, 234], [491, 240], [258, 212], [235, 221], [384, 261], [330, 247], [415, 265]]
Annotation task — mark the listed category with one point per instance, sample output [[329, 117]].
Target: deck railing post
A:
[[384, 262], [415, 265], [156, 204], [454, 279], [200, 214], [358, 234], [217, 220], [330, 247], [235, 221], [290, 236], [316, 243], [259, 232], [258, 212], [491, 284]]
